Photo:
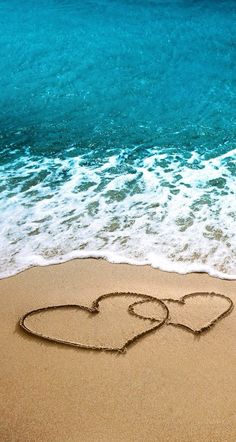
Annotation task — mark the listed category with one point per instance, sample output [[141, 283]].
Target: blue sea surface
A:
[[118, 133]]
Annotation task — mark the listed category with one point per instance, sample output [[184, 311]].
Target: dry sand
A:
[[169, 386]]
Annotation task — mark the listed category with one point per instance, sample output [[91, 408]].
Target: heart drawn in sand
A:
[[184, 312], [93, 311], [194, 312]]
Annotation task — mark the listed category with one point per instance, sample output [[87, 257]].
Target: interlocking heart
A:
[[194, 312]]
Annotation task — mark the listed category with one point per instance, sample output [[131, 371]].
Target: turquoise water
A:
[[118, 134]]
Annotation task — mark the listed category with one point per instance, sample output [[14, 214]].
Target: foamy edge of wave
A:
[[150, 218], [166, 266]]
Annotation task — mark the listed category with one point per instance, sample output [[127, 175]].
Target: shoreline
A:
[[109, 258], [170, 383]]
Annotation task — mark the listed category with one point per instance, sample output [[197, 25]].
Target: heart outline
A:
[[181, 301], [94, 309]]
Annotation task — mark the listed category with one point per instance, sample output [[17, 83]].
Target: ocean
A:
[[118, 133]]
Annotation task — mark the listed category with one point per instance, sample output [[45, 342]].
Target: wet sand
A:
[[169, 386]]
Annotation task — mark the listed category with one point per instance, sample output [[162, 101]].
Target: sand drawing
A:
[[143, 299]]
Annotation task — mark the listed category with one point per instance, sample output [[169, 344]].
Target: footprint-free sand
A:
[[169, 386]]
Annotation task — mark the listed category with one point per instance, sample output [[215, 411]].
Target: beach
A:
[[117, 221], [169, 386]]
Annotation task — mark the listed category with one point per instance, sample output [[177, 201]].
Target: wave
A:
[[155, 210]]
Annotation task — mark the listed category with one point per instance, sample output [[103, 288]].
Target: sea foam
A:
[[160, 212]]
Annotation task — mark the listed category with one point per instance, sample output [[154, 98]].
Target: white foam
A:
[[135, 218]]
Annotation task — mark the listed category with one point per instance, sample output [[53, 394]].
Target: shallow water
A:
[[118, 134]]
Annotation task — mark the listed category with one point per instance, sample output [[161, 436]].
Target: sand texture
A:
[[171, 384]]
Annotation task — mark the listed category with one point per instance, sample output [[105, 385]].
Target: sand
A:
[[169, 386]]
